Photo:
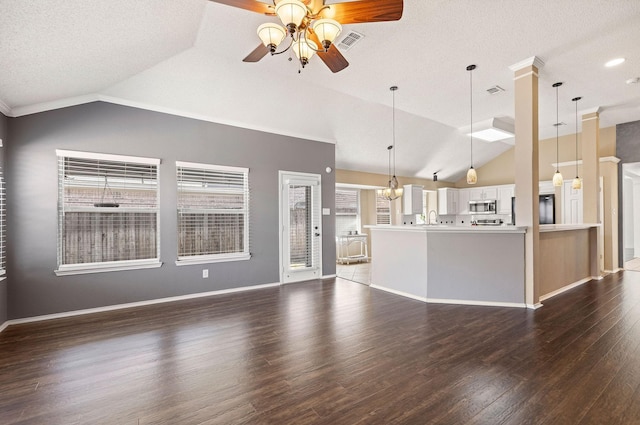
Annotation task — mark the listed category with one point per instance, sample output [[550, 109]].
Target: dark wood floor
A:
[[332, 353]]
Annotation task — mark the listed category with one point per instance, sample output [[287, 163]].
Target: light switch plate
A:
[[326, 211], [205, 273]]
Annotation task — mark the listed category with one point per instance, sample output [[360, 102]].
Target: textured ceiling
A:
[[185, 57]]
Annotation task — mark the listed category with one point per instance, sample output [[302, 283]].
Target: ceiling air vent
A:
[[495, 89], [350, 40]]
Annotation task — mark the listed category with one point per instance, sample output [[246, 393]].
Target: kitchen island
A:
[[480, 265]]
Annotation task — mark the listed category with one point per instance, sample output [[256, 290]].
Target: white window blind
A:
[[108, 211], [3, 225], [213, 212], [347, 211], [383, 210]]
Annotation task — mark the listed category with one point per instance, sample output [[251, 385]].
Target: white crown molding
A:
[[4, 108], [594, 110], [55, 104], [533, 60], [613, 159], [95, 97], [200, 117]]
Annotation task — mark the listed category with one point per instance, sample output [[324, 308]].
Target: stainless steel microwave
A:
[[485, 206]]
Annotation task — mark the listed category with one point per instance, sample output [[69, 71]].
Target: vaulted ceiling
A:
[[185, 57]]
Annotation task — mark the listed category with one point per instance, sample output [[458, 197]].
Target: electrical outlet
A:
[[205, 273]]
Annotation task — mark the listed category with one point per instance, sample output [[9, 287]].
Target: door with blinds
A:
[[300, 224]]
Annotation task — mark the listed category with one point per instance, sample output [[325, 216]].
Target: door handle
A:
[[317, 234]]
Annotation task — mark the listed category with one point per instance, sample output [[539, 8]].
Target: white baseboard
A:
[[566, 288], [534, 306], [133, 304], [447, 301], [402, 294], [474, 302], [329, 276]]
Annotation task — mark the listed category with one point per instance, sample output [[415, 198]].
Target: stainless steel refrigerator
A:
[[547, 209]]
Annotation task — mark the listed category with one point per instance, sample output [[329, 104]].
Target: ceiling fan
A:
[[313, 26]]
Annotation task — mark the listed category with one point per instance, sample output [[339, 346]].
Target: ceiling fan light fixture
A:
[[291, 13], [304, 50], [271, 35], [327, 31]]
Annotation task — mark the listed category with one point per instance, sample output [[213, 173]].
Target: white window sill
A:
[[207, 259], [115, 266]]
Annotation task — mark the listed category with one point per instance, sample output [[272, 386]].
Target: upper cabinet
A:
[[412, 199], [480, 193], [447, 201], [463, 201], [505, 193]]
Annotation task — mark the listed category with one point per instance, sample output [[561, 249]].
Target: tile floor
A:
[[633, 264], [356, 272]]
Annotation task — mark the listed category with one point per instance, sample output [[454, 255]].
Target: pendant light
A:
[[557, 177], [392, 191], [577, 183], [472, 176]]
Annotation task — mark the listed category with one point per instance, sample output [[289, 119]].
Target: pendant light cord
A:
[[576, 99], [556, 85], [393, 91], [471, 114]]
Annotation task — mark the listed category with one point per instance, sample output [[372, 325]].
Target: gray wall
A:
[[108, 128], [628, 150], [4, 121]]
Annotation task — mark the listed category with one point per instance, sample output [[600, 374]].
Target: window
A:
[[383, 209], [3, 226], [108, 212], [213, 213], [347, 211]]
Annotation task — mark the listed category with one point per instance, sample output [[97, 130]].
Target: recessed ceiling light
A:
[[614, 62]]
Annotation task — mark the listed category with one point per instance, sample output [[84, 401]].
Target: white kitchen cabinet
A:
[[447, 201], [412, 199], [475, 194], [463, 201], [481, 193], [505, 193]]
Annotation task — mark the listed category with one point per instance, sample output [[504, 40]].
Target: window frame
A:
[[357, 214], [378, 214], [184, 260], [104, 266]]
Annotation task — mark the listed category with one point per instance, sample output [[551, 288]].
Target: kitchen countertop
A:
[[565, 227], [450, 229]]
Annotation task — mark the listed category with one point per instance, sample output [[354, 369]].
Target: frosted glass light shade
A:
[[291, 12], [557, 179], [472, 176], [577, 183], [327, 31], [271, 34], [304, 50]]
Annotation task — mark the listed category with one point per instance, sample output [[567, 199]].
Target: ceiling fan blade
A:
[[357, 12], [252, 5], [332, 57], [257, 54]]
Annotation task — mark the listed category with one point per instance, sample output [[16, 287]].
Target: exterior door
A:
[[300, 224]]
